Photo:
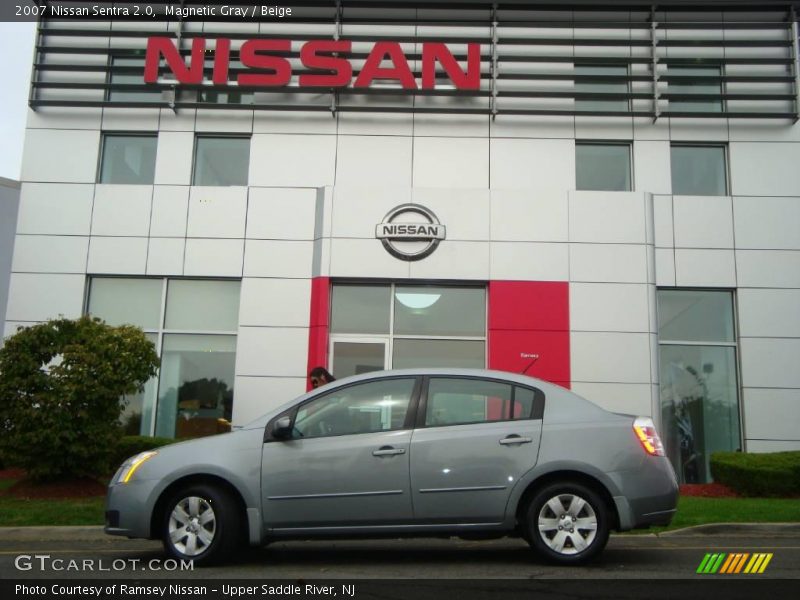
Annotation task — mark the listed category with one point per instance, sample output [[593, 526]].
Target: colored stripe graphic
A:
[[730, 564]]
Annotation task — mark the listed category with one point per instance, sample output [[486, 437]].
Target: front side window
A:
[[193, 324], [610, 79], [221, 161], [362, 408], [128, 159], [698, 379], [697, 81], [603, 167], [455, 401], [698, 170]]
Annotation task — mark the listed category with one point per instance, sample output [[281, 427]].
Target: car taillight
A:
[[645, 430]]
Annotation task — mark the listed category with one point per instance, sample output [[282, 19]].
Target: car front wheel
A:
[[202, 524], [567, 523]]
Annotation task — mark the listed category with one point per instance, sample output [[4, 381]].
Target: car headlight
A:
[[130, 466]]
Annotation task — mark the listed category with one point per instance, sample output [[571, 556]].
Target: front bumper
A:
[[129, 507]]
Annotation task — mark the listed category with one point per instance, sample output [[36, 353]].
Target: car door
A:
[[347, 460], [473, 440]]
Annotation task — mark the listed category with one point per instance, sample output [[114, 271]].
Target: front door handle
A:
[[388, 451], [515, 439]]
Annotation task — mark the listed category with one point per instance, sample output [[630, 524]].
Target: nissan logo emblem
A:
[[410, 232]]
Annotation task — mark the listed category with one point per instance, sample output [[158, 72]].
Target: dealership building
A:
[[602, 195]]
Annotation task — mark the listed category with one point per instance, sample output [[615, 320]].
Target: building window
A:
[[700, 81], [699, 389], [698, 170], [193, 394], [128, 70], [606, 87], [603, 166], [377, 327], [128, 159], [220, 161]]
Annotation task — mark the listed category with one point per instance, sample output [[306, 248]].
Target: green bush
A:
[[131, 445], [60, 388], [773, 474]]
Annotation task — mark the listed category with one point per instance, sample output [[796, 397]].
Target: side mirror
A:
[[282, 428]]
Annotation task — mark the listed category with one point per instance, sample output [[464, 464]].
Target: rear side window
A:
[[456, 401]]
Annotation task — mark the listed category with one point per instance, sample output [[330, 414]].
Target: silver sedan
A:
[[462, 452]]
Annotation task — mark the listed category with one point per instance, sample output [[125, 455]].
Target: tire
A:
[[567, 523], [202, 523]]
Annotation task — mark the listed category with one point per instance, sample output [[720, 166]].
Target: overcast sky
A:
[[16, 50]]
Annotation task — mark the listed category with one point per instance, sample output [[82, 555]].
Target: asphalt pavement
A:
[[87, 553]]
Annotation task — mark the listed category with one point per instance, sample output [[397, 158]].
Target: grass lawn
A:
[[691, 511]]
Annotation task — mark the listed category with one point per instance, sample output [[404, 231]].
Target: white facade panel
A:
[[129, 119], [50, 254], [373, 160], [44, 158], [760, 408], [355, 211], [651, 167], [451, 162], [170, 211], [626, 398], [281, 213], [663, 221], [770, 223], [606, 357], [454, 260], [165, 256], [39, 297], [541, 167], [117, 255], [770, 362], [764, 169], [703, 221], [611, 263], [607, 217], [54, 208], [272, 351], [292, 160], [769, 313], [705, 268], [529, 261], [465, 212], [213, 258], [258, 395], [122, 210], [665, 267], [217, 212], [758, 446], [174, 157], [224, 121], [278, 258], [363, 258], [604, 128], [768, 268], [523, 215], [275, 302], [608, 307], [294, 122]]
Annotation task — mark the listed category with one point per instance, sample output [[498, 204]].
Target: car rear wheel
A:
[[201, 523], [567, 523]]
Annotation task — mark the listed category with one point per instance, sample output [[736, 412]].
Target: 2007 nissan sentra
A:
[[431, 452]]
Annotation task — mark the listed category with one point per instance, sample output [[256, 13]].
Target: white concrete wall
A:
[[505, 190]]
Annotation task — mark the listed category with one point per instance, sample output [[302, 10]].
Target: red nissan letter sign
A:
[[163, 46], [251, 56], [434, 51], [372, 68], [310, 57]]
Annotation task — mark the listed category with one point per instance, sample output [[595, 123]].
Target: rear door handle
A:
[[388, 451], [515, 439]]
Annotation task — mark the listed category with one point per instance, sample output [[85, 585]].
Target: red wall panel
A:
[[318, 324], [530, 317]]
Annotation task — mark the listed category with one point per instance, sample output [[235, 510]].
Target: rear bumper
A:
[[649, 494]]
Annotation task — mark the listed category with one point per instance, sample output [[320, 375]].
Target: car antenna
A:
[[530, 364]]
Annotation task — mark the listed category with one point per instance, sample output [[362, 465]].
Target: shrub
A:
[[773, 474], [131, 445], [60, 388]]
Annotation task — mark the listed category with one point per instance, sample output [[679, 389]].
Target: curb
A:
[[779, 529], [53, 533]]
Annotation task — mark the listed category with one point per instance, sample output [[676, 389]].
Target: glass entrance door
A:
[[353, 357]]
